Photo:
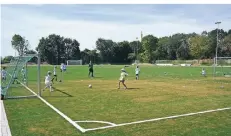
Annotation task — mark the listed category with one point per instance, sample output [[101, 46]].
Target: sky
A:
[[87, 23]]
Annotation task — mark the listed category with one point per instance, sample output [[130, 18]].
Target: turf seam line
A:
[[157, 119], [56, 110]]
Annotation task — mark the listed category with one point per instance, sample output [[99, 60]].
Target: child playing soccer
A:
[[55, 75], [91, 71], [203, 73], [3, 74], [61, 67], [122, 78], [23, 72], [48, 82], [137, 70], [15, 78], [64, 67]]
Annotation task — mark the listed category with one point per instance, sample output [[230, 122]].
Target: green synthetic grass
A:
[[160, 92]]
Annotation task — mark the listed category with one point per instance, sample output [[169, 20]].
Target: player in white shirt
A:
[[23, 72], [48, 82], [54, 75], [137, 70], [3, 74], [122, 78], [203, 72], [64, 67], [61, 67]]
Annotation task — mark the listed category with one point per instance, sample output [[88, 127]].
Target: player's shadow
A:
[[55, 89], [132, 88]]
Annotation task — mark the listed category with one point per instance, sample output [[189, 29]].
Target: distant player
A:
[[122, 78], [54, 75], [137, 70], [15, 78], [48, 82], [3, 74], [64, 67], [203, 72], [91, 71], [23, 73], [61, 67]]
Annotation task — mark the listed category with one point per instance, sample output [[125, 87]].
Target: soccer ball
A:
[[90, 86]]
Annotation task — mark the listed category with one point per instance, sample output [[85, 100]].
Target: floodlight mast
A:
[[137, 48], [217, 23]]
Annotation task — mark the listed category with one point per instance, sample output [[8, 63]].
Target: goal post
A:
[[222, 67], [17, 76], [74, 62]]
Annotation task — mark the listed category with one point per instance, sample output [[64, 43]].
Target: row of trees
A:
[[55, 49]]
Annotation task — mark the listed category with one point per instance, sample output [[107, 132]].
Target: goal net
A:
[[74, 62], [222, 67], [16, 78]]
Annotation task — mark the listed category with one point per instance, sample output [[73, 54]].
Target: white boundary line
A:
[[93, 121], [122, 124], [157, 119], [56, 110]]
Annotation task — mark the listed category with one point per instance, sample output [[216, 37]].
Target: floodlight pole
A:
[[137, 47], [39, 83], [217, 23]]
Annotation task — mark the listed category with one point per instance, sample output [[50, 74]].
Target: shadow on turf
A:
[[132, 88], [55, 89]]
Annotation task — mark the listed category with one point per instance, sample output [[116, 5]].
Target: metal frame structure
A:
[[26, 83], [215, 64]]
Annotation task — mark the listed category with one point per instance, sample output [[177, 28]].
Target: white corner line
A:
[[56, 110], [93, 121], [157, 119]]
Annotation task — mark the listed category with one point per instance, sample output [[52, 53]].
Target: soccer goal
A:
[[16, 81], [222, 66], [74, 62]]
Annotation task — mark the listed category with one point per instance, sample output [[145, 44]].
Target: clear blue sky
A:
[[86, 23]]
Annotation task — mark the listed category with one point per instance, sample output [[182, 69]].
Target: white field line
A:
[[56, 110], [157, 119], [92, 121]]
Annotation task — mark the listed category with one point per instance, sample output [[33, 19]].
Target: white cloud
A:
[[35, 25]]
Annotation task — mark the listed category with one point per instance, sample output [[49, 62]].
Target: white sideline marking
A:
[[103, 122], [59, 112], [157, 119]]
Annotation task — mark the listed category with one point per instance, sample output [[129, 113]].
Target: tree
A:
[[7, 59], [106, 49], [229, 32], [121, 52], [20, 44], [149, 45], [198, 46], [162, 48], [32, 52], [136, 47], [212, 35], [183, 52], [55, 49], [226, 47], [175, 42], [72, 50], [85, 55]]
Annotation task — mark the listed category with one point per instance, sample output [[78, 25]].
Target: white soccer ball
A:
[[90, 86]]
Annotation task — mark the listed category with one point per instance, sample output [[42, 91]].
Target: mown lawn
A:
[[160, 92]]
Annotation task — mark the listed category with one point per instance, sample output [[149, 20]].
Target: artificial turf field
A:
[[160, 92]]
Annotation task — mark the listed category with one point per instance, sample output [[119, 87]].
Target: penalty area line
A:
[[56, 110], [157, 119]]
